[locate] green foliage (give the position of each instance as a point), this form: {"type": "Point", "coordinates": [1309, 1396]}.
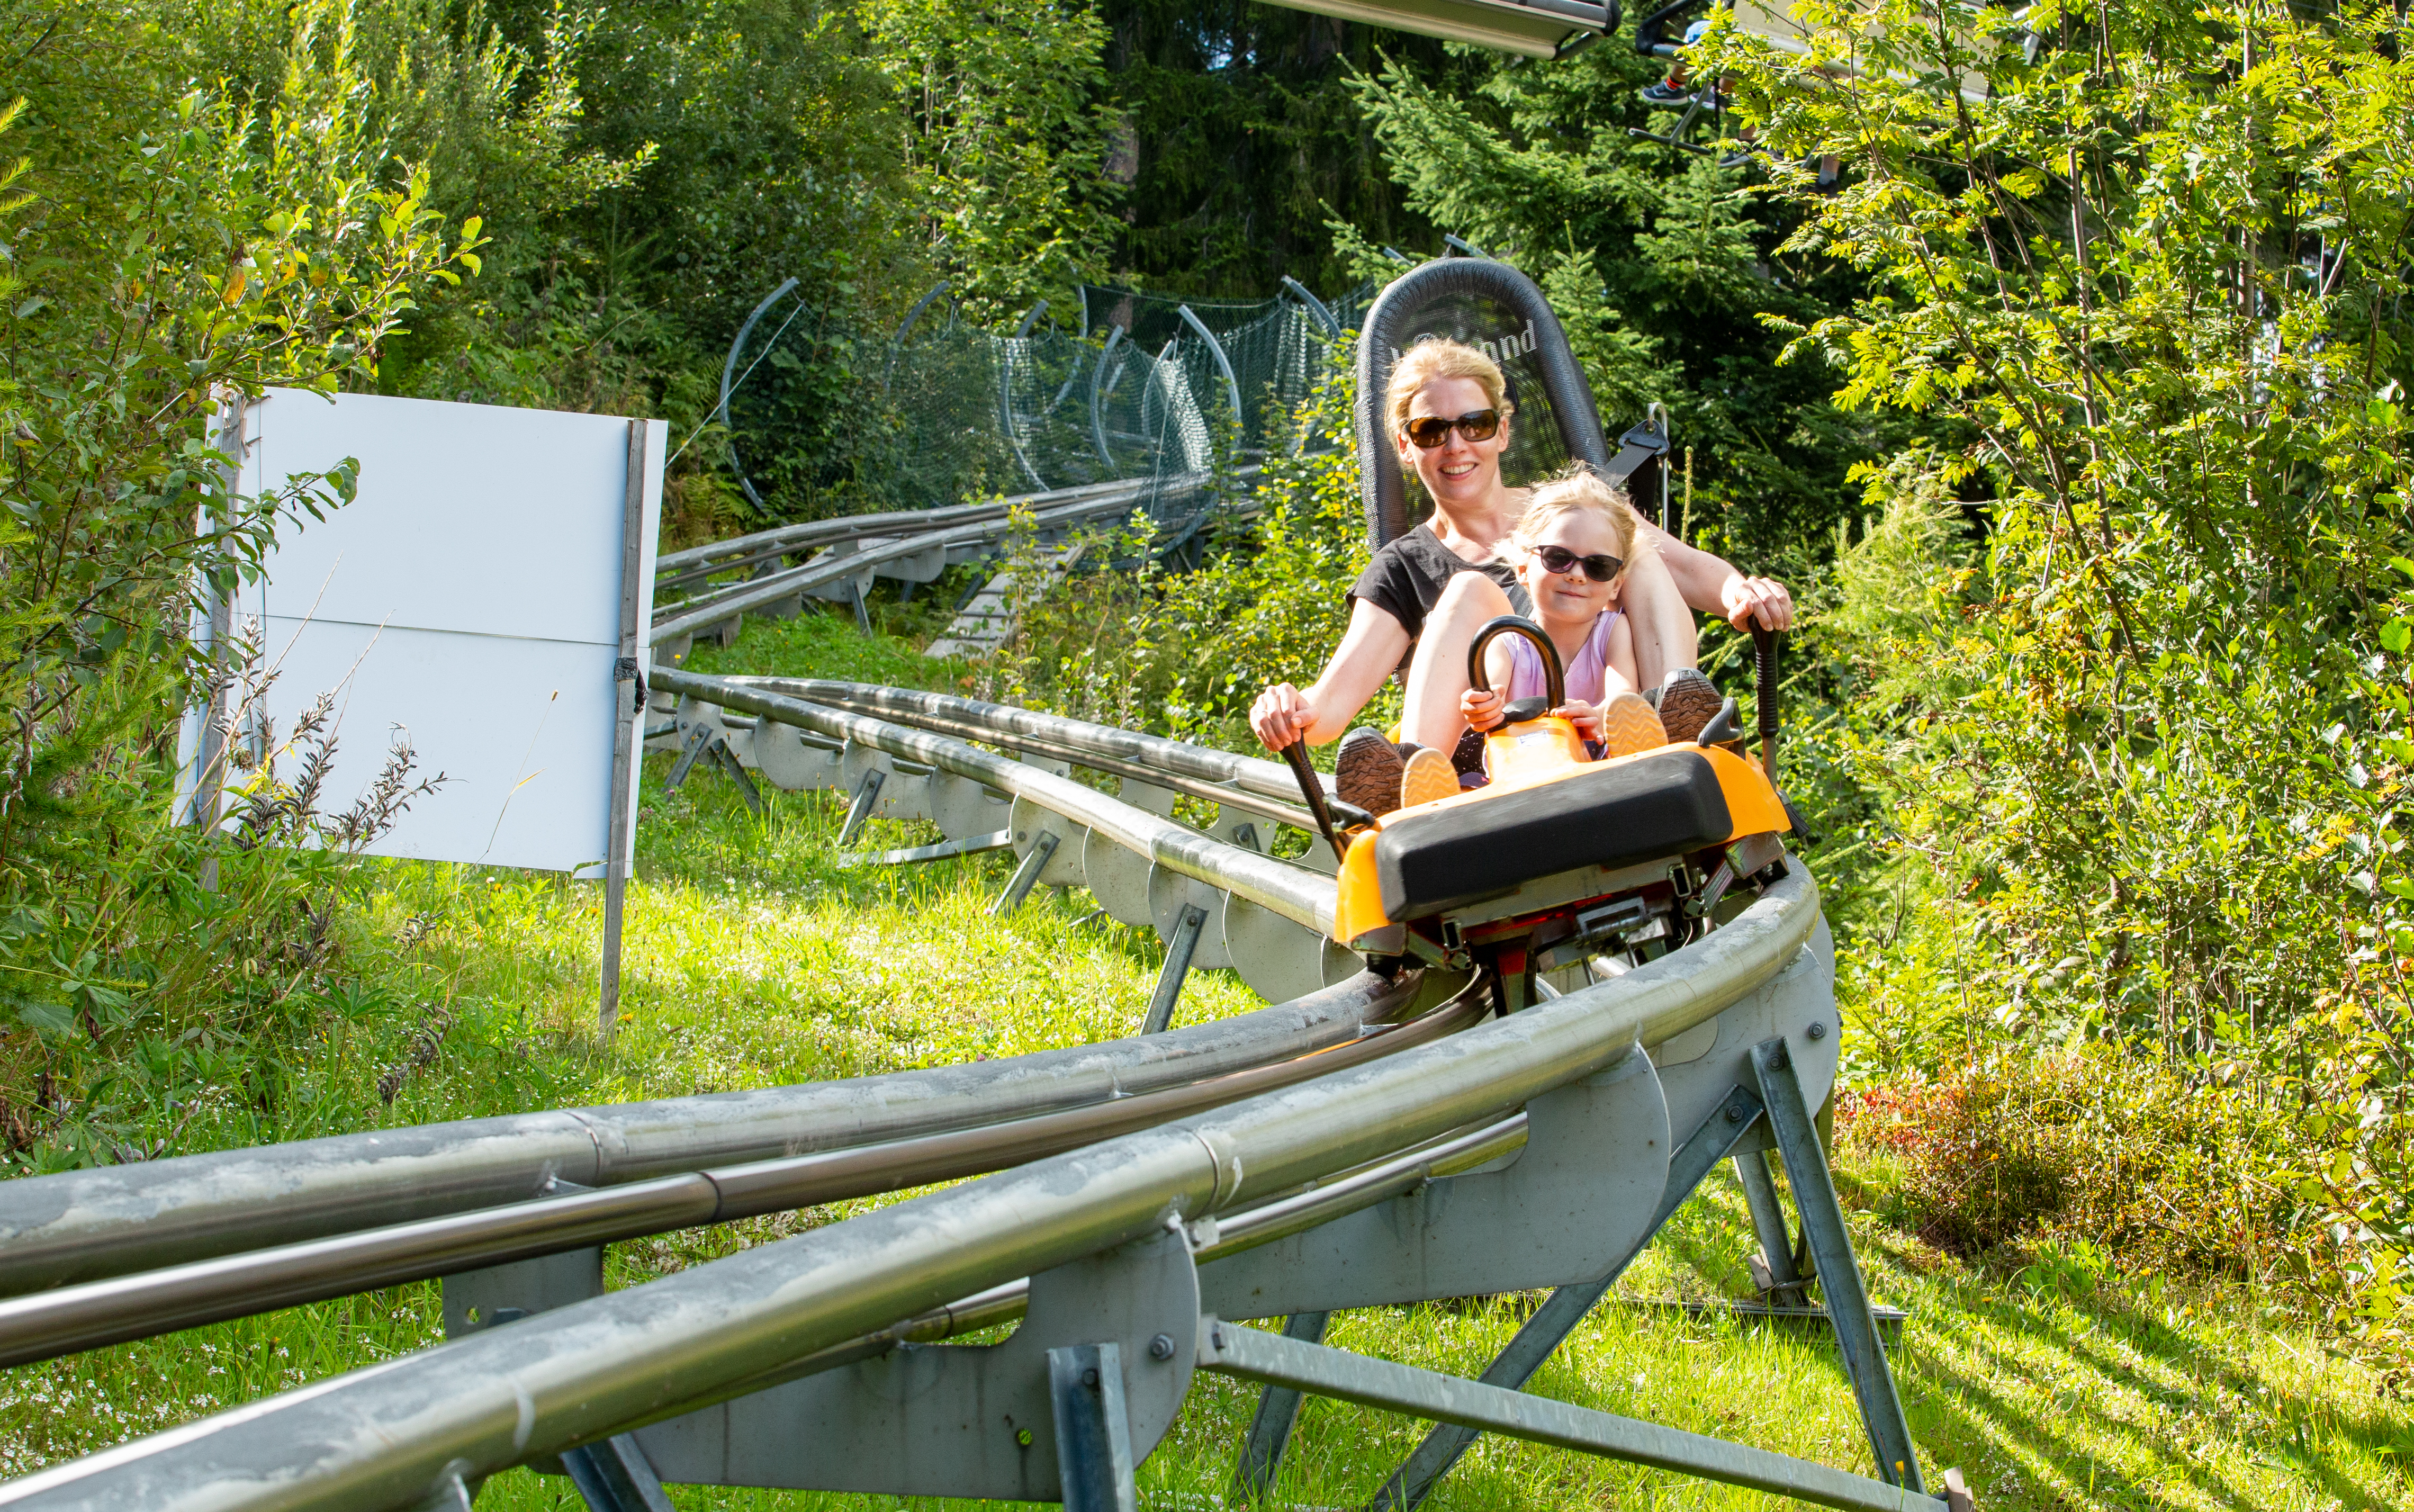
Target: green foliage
{"type": "Point", "coordinates": [1661, 264]}
{"type": "Point", "coordinates": [1006, 143]}
{"type": "Point", "coordinates": [1185, 654]}
{"type": "Point", "coordinates": [2082, 1147]}
{"type": "Point", "coordinates": [185, 250]}
{"type": "Point", "coordinates": [1239, 138]}
{"type": "Point", "coordinates": [2156, 276]}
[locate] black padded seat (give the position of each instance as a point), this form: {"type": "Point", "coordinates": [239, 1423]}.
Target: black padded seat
{"type": "Point", "coordinates": [1652, 806]}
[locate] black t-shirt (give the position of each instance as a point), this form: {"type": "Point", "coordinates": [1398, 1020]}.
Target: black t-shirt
{"type": "Point", "coordinates": [1408, 574]}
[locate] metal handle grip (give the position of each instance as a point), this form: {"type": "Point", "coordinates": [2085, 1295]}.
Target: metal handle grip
{"type": "Point", "coordinates": [1555, 676]}
{"type": "Point", "coordinates": [1312, 788]}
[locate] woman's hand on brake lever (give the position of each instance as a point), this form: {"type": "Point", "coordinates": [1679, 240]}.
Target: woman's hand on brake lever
{"type": "Point", "coordinates": [1281, 716]}
{"type": "Point", "coordinates": [1749, 601]}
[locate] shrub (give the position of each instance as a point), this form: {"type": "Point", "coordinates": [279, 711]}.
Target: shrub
{"type": "Point", "coordinates": [2084, 1144]}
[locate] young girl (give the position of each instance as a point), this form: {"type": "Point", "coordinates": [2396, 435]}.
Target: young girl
{"type": "Point", "coordinates": [1571, 549]}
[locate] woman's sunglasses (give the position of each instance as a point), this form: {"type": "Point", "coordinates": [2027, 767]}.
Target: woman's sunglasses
{"type": "Point", "coordinates": [1430, 430]}
{"type": "Point", "coordinates": [1600, 569]}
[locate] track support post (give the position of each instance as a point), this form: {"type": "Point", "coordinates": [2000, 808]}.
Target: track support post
{"type": "Point", "coordinates": [1085, 1386]}
{"type": "Point", "coordinates": [867, 793]}
{"type": "Point", "coordinates": [699, 735]}
{"type": "Point", "coordinates": [1270, 1428]}
{"type": "Point", "coordinates": [1179, 952]}
{"type": "Point", "coordinates": [1567, 1306]}
{"type": "Point", "coordinates": [1840, 1274]}
{"type": "Point", "coordinates": [614, 1476]}
{"type": "Point", "coordinates": [1773, 1271]}
{"type": "Point", "coordinates": [1018, 886]}
{"type": "Point", "coordinates": [728, 763]}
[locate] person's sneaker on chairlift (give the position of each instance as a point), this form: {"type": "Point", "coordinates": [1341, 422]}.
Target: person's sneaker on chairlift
{"type": "Point", "coordinates": [1667, 94]}
{"type": "Point", "coordinates": [1366, 771]}
{"type": "Point", "coordinates": [1687, 701]}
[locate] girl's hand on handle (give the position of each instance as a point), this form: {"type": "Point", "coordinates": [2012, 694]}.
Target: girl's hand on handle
{"type": "Point", "coordinates": [1481, 711]}
{"type": "Point", "coordinates": [1281, 716]}
{"type": "Point", "coordinates": [1584, 716]}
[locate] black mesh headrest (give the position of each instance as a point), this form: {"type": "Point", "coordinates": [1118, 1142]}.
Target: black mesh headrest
{"type": "Point", "coordinates": [1489, 304]}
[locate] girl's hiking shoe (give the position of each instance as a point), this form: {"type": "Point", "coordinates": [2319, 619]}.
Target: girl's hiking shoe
{"type": "Point", "coordinates": [1427, 775]}
{"type": "Point", "coordinates": [1666, 96]}
{"type": "Point", "coordinates": [1687, 701]}
{"type": "Point", "coordinates": [1366, 771]}
{"type": "Point", "coordinates": [1629, 725]}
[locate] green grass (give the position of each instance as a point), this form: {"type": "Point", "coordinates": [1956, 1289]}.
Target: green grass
{"type": "Point", "coordinates": [754, 960]}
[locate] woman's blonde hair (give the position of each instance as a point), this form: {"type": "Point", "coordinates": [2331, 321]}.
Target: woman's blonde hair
{"type": "Point", "coordinates": [1438, 357]}
{"type": "Point", "coordinates": [1577, 489]}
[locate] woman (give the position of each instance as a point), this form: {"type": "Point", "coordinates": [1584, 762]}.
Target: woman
{"type": "Point", "coordinates": [1431, 588]}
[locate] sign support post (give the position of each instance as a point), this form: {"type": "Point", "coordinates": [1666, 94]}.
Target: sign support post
{"type": "Point", "coordinates": [628, 726]}
{"type": "Point", "coordinates": [208, 784]}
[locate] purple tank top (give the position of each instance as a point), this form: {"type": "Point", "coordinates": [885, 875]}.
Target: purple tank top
{"type": "Point", "coordinates": [1587, 674]}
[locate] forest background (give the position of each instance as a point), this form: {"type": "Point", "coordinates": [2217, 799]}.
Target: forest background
{"type": "Point", "coordinates": [2077, 422]}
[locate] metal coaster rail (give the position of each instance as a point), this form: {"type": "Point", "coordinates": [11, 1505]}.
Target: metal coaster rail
{"type": "Point", "coordinates": [1125, 1202]}
{"type": "Point", "coordinates": [1051, 513]}
{"type": "Point", "coordinates": [395, 1434]}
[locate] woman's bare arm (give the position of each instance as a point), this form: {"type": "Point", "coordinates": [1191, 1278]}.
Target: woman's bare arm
{"type": "Point", "coordinates": [1711, 584]}
{"type": "Point", "coordinates": [1369, 650]}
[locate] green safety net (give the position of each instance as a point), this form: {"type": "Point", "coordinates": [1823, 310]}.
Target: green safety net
{"type": "Point", "coordinates": [1121, 386]}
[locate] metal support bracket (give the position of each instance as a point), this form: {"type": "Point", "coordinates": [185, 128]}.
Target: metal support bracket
{"type": "Point", "coordinates": [478, 1299]}
{"type": "Point", "coordinates": [1773, 1272]}
{"type": "Point", "coordinates": [1093, 1457]}
{"type": "Point", "coordinates": [1269, 1426]}
{"type": "Point", "coordinates": [867, 793]}
{"type": "Point", "coordinates": [699, 735]}
{"type": "Point", "coordinates": [728, 761]}
{"type": "Point", "coordinates": [969, 846]}
{"type": "Point", "coordinates": [1840, 1274]}
{"type": "Point", "coordinates": [1251, 1354]}
{"type": "Point", "coordinates": [1541, 1334]}
{"type": "Point", "coordinates": [1178, 952]}
{"type": "Point", "coordinates": [968, 1420]}
{"type": "Point", "coordinates": [613, 1477]}
{"type": "Point", "coordinates": [1579, 1196]}
{"type": "Point", "coordinates": [1018, 886]}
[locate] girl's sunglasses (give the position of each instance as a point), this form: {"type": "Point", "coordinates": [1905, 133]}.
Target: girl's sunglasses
{"type": "Point", "coordinates": [1430, 430]}
{"type": "Point", "coordinates": [1600, 569]}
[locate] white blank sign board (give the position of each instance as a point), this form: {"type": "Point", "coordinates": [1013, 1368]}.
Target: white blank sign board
{"type": "Point", "coordinates": [469, 595]}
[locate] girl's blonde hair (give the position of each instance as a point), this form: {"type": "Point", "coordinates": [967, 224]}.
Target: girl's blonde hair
{"type": "Point", "coordinates": [1578, 488]}
{"type": "Point", "coordinates": [1438, 358]}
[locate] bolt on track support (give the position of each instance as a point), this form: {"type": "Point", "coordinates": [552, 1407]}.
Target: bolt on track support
{"type": "Point", "coordinates": [1270, 1429]}
{"type": "Point", "coordinates": [1179, 952]}
{"type": "Point", "coordinates": [613, 1477]}
{"type": "Point", "coordinates": [1085, 1386]}
{"type": "Point", "coordinates": [1567, 1306]}
{"type": "Point", "coordinates": [1831, 1256]}
{"type": "Point", "coordinates": [1019, 887]}
{"type": "Point", "coordinates": [867, 793]}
